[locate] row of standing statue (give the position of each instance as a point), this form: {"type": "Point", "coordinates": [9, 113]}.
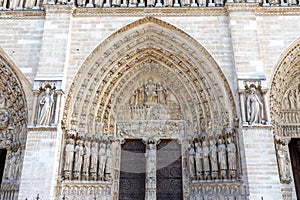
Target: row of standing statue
{"type": "Point", "coordinates": [213, 158]}
{"type": "Point", "coordinates": [87, 160]}
{"type": "Point", "coordinates": [12, 169]}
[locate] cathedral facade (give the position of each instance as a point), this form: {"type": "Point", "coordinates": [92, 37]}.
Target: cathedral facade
{"type": "Point", "coordinates": [155, 99]}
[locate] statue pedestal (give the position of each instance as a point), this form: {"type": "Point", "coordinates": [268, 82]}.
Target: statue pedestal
{"type": "Point", "coordinates": [261, 162]}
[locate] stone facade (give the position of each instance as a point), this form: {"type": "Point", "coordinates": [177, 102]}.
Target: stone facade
{"type": "Point", "coordinates": [213, 85]}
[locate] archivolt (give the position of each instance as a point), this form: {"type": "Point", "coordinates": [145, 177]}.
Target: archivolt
{"type": "Point", "coordinates": [285, 76]}
{"type": "Point", "coordinates": [13, 86]}
{"type": "Point", "coordinates": [149, 47]}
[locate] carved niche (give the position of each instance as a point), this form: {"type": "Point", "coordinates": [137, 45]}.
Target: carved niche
{"type": "Point", "coordinates": [47, 97]}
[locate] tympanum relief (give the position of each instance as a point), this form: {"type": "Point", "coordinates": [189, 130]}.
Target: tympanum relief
{"type": "Point", "coordinates": [152, 110]}
{"type": "Point", "coordinates": [291, 106]}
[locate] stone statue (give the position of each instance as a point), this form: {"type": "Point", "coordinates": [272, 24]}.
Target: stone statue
{"type": "Point", "coordinates": [283, 163]}
{"type": "Point", "coordinates": [199, 160]}
{"type": "Point", "coordinates": [254, 108]}
{"type": "Point", "coordinates": [79, 152]}
{"type": "Point", "coordinates": [102, 160]}
{"type": "Point", "coordinates": [206, 166]}
{"type": "Point", "coordinates": [151, 160]}
{"type": "Point", "coordinates": [141, 94]}
{"type": "Point", "coordinates": [86, 160]}
{"type": "Point", "coordinates": [222, 160]}
{"type": "Point", "coordinates": [292, 98]}
{"type": "Point", "coordinates": [161, 94]}
{"type": "Point", "coordinates": [151, 95]}
{"type": "Point", "coordinates": [69, 154]}
{"type": "Point", "coordinates": [168, 3]}
{"type": "Point", "coordinates": [213, 159]}
{"type": "Point", "coordinates": [231, 154]}
{"type": "Point", "coordinates": [109, 162]}
{"type": "Point", "coordinates": [45, 110]}
{"type": "Point", "coordinates": [94, 161]}
{"type": "Point", "coordinates": [192, 162]}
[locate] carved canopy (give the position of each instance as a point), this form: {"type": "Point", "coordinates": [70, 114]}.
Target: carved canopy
{"type": "Point", "coordinates": [149, 48]}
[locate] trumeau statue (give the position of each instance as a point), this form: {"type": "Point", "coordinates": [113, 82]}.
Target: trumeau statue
{"type": "Point", "coordinates": [46, 107]}
{"type": "Point", "coordinates": [254, 108]}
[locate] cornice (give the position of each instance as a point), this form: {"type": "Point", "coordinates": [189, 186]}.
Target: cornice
{"type": "Point", "coordinates": [144, 12]}
{"type": "Point", "coordinates": [278, 11]}
{"type": "Point", "coordinates": [22, 14]}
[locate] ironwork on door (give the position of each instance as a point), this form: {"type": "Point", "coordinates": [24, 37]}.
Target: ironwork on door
{"type": "Point", "coordinates": [169, 171]}
{"type": "Point", "coordinates": [132, 171]}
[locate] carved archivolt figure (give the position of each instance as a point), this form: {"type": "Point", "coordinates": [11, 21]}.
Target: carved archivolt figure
{"type": "Point", "coordinates": [199, 160]}
{"type": "Point", "coordinates": [46, 104]}
{"type": "Point", "coordinates": [231, 153]}
{"type": "Point", "coordinates": [222, 158]}
{"type": "Point", "coordinates": [254, 108]}
{"type": "Point", "coordinates": [192, 161]}
{"type": "Point", "coordinates": [69, 153]}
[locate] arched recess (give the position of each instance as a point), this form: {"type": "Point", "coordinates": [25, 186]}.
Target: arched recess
{"type": "Point", "coordinates": [13, 124]}
{"type": "Point", "coordinates": [285, 93]}
{"type": "Point", "coordinates": [149, 48]}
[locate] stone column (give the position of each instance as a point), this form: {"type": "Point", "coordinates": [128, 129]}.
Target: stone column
{"type": "Point", "coordinates": [242, 101]}
{"type": "Point", "coordinates": [34, 112]}
{"type": "Point", "coordinates": [266, 108]}
{"type": "Point", "coordinates": [150, 193]}
{"type": "Point", "coordinates": [57, 108]}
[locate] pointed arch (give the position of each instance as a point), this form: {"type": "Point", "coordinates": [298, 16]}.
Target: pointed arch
{"type": "Point", "coordinates": [149, 47]}
{"type": "Point", "coordinates": [14, 88]}
{"type": "Point", "coordinates": [285, 92]}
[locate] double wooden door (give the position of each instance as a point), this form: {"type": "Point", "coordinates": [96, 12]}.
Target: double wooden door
{"type": "Point", "coordinates": [168, 171]}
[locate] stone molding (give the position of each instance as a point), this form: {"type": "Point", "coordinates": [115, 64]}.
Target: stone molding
{"type": "Point", "coordinates": [144, 12]}
{"type": "Point", "coordinates": [38, 14]}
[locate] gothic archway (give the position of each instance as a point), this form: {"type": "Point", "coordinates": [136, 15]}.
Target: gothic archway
{"type": "Point", "coordinates": [285, 114]}
{"type": "Point", "coordinates": [13, 125]}
{"type": "Point", "coordinates": [196, 95]}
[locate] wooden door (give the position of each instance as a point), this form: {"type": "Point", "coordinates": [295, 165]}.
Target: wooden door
{"type": "Point", "coordinates": [132, 172]}
{"type": "Point", "coordinates": [169, 171]}
{"type": "Point", "coordinates": [294, 148]}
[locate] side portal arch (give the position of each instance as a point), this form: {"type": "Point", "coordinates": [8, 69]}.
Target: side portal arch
{"type": "Point", "coordinates": [13, 125]}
